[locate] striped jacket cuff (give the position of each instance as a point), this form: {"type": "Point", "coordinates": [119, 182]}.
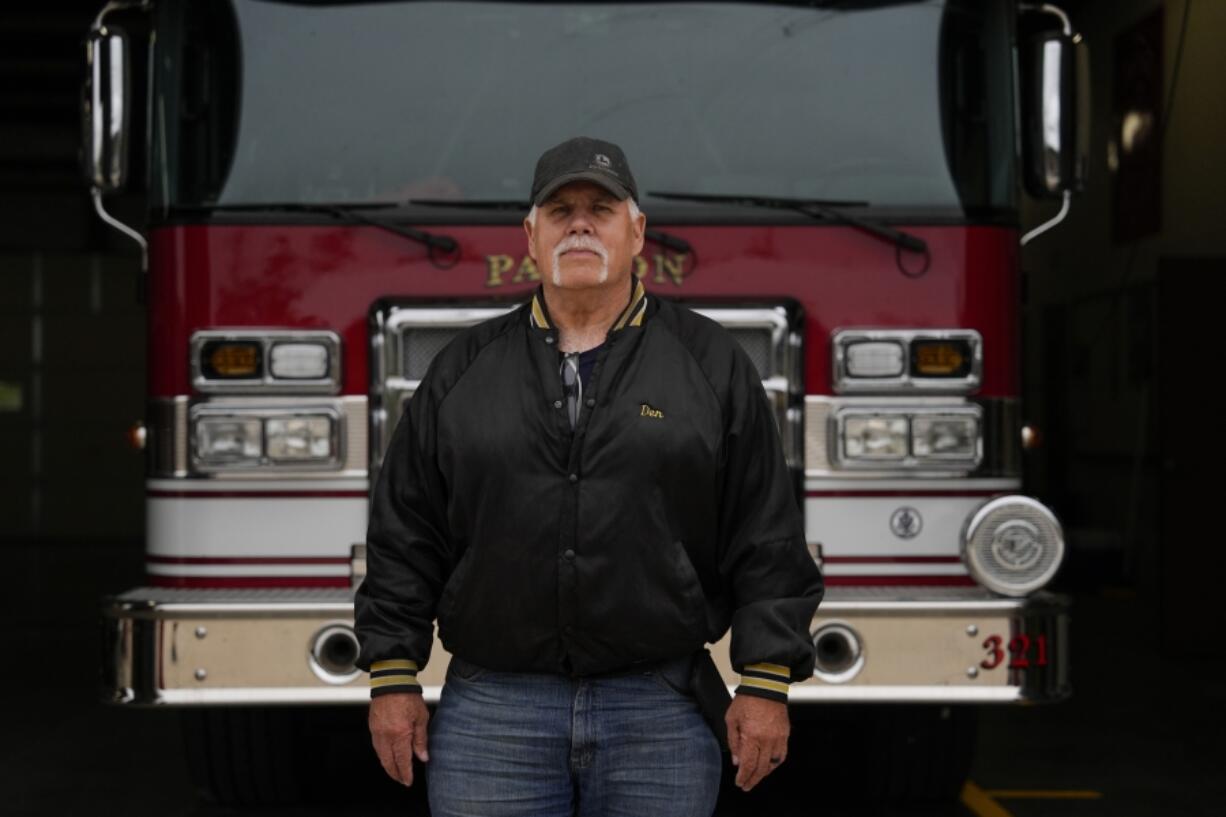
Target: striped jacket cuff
{"type": "Point", "coordinates": [395, 675]}
{"type": "Point", "coordinates": [765, 681]}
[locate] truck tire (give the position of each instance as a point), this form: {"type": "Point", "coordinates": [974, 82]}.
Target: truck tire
{"type": "Point", "coordinates": [243, 756]}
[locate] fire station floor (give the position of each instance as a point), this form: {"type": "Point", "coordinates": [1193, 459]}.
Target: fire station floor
{"type": "Point", "coordinates": [1142, 734]}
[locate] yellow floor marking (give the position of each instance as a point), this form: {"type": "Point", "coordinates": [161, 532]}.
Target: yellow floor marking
{"type": "Point", "coordinates": [980, 803]}
{"type": "Point", "coordinates": [1038, 794]}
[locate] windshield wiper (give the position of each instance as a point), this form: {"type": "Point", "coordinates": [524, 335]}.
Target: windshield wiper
{"type": "Point", "coordinates": [815, 208]}
{"type": "Point", "coordinates": [348, 212]}
{"type": "Point", "coordinates": [362, 213]}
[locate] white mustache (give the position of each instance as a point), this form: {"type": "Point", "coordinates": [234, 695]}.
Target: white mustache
{"type": "Point", "coordinates": [580, 242]}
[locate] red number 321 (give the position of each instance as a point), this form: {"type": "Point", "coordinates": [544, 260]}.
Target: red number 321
{"type": "Point", "coordinates": [1019, 651]}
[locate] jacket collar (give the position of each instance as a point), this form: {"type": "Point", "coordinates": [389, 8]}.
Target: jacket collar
{"type": "Point", "coordinates": [633, 315]}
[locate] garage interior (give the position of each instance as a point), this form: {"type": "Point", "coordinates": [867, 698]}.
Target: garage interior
{"type": "Point", "coordinates": [1119, 301]}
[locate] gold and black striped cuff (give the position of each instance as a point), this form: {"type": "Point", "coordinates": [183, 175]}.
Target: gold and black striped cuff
{"type": "Point", "coordinates": [394, 675]}
{"type": "Point", "coordinates": [765, 681]}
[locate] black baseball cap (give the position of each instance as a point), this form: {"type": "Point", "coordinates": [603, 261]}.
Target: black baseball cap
{"type": "Point", "coordinates": [583, 159]}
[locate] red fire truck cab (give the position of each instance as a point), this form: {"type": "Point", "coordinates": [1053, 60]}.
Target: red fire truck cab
{"type": "Point", "coordinates": [335, 189]}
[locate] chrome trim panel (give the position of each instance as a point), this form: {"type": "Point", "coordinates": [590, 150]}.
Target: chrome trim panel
{"type": "Point", "coordinates": [1000, 425]}
{"type": "Point", "coordinates": [154, 602]}
{"type": "Point", "coordinates": [169, 436]}
{"type": "Point", "coordinates": [905, 383]}
{"type": "Point", "coordinates": [267, 384]}
{"type": "Point", "coordinates": [856, 482]}
{"type": "Point", "coordinates": [801, 694]}
{"type": "Point", "coordinates": [256, 646]}
{"type": "Point", "coordinates": [166, 436]}
{"type": "Point", "coordinates": [280, 482]}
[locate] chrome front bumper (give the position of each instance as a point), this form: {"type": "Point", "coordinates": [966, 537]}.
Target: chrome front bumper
{"type": "Point", "coordinates": [950, 645]}
{"type": "Point", "coordinates": [209, 647]}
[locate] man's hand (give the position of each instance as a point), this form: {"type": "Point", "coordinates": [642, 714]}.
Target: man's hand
{"type": "Point", "coordinates": [758, 737]}
{"type": "Point", "coordinates": [398, 731]}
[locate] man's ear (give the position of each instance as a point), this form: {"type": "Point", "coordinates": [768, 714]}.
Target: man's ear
{"type": "Point", "coordinates": [639, 228]}
{"type": "Point", "coordinates": [530, 231]}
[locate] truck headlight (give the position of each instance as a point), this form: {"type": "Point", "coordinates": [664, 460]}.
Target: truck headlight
{"type": "Point", "coordinates": [909, 437]}
{"type": "Point", "coordinates": [875, 437]}
{"type": "Point", "coordinates": [228, 440]}
{"type": "Point", "coordinates": [1013, 545]}
{"type": "Point", "coordinates": [297, 439]}
{"type": "Point", "coordinates": [227, 437]}
{"type": "Point", "coordinates": [299, 361]}
{"type": "Point", "coordinates": [944, 436]}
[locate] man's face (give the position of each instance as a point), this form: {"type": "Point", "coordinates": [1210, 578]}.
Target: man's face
{"type": "Point", "coordinates": [584, 237]}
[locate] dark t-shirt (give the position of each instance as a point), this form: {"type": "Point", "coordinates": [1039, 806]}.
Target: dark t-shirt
{"type": "Point", "coordinates": [586, 361]}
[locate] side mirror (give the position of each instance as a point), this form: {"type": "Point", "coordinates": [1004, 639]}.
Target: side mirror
{"type": "Point", "coordinates": [105, 115]}
{"type": "Point", "coordinates": [1056, 108]}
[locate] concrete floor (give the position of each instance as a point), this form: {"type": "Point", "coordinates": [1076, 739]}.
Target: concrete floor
{"type": "Point", "coordinates": [1141, 736]}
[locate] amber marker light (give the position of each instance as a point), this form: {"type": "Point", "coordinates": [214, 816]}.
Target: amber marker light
{"type": "Point", "coordinates": [231, 359]}
{"type": "Point", "coordinates": [940, 358]}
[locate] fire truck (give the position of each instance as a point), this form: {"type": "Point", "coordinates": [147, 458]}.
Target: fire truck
{"type": "Point", "coordinates": [336, 189]}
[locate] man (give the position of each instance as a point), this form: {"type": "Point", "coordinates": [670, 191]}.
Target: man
{"type": "Point", "coordinates": [584, 492]}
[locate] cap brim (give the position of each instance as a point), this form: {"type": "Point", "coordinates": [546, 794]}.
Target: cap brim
{"type": "Point", "coordinates": [595, 177]}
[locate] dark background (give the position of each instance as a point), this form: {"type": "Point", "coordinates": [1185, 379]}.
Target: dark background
{"type": "Point", "coordinates": [1121, 354]}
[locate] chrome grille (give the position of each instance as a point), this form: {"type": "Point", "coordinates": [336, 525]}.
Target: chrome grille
{"type": "Point", "coordinates": [817, 458]}
{"type": "Point", "coordinates": [421, 344]}
{"type": "Point", "coordinates": [408, 337]}
{"type": "Point", "coordinates": [757, 344]}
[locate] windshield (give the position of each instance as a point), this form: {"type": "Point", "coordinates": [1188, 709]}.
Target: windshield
{"type": "Point", "coordinates": [907, 106]}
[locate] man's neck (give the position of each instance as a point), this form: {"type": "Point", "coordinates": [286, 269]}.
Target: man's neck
{"type": "Point", "coordinates": [583, 316]}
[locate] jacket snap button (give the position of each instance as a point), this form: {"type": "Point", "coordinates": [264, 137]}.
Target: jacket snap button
{"type": "Point", "coordinates": [574, 477]}
{"type": "Point", "coordinates": [549, 338]}
{"type": "Point", "coordinates": [557, 404]}
{"type": "Point", "coordinates": [591, 401]}
{"type": "Point", "coordinates": [569, 554]}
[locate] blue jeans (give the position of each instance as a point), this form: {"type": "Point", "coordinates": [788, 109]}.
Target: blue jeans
{"type": "Point", "coordinates": [539, 745]}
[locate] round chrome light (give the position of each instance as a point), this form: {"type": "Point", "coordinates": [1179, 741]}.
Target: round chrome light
{"type": "Point", "coordinates": [332, 654]}
{"type": "Point", "coordinates": [840, 653]}
{"type": "Point", "coordinates": [1012, 545]}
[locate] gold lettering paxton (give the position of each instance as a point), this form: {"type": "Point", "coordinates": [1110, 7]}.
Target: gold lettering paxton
{"type": "Point", "coordinates": [501, 270]}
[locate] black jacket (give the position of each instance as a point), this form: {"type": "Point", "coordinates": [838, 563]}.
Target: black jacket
{"type": "Point", "coordinates": [665, 517]}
